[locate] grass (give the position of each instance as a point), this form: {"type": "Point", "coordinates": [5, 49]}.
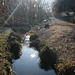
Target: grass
{"type": "Point", "coordinates": [0, 49]}
{"type": "Point", "coordinates": [14, 44]}
{"type": "Point", "coordinates": [8, 56]}
{"type": "Point", "coordinates": [66, 68]}
{"type": "Point", "coordinates": [2, 39]}
{"type": "Point", "coordinates": [3, 43]}
{"type": "Point", "coordinates": [0, 54]}
{"type": "Point", "coordinates": [61, 37]}
{"type": "Point", "coordinates": [8, 68]}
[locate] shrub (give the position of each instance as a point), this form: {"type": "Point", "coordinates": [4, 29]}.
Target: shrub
{"type": "Point", "coordinates": [46, 26]}
{"type": "Point", "coordinates": [33, 37]}
{"type": "Point", "coordinates": [15, 47]}
{"type": "Point", "coordinates": [47, 56]}
{"type": "Point", "coordinates": [14, 44]}
{"type": "Point", "coordinates": [35, 44]}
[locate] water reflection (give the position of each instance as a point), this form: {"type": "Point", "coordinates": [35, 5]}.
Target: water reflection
{"type": "Point", "coordinates": [32, 55]}
{"type": "Point", "coordinates": [44, 66]}
{"type": "Point", "coordinates": [28, 63]}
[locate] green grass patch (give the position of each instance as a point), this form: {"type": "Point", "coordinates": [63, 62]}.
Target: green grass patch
{"type": "Point", "coordinates": [0, 49]}
{"type": "Point", "coordinates": [8, 68]}
{"type": "Point", "coordinates": [1, 54]}
{"type": "Point", "coordinates": [9, 56]}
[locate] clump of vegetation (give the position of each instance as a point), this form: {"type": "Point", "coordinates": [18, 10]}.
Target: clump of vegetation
{"type": "Point", "coordinates": [0, 54]}
{"type": "Point", "coordinates": [35, 44]}
{"type": "Point", "coordinates": [15, 47]}
{"type": "Point", "coordinates": [15, 36]}
{"type": "Point", "coordinates": [47, 58]}
{"type": "Point", "coordinates": [5, 54]}
{"type": "Point", "coordinates": [8, 68]}
{"type": "Point", "coordinates": [0, 49]}
{"type": "Point", "coordinates": [14, 44]}
{"type": "Point", "coordinates": [66, 68]}
{"type": "Point", "coordinates": [47, 26]}
{"type": "Point", "coordinates": [8, 56]}
{"type": "Point", "coordinates": [3, 39]}
{"type": "Point", "coordinates": [33, 37]}
{"type": "Point", "coordinates": [23, 30]}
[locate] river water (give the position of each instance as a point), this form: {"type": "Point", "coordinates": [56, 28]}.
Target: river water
{"type": "Point", "coordinates": [28, 63]}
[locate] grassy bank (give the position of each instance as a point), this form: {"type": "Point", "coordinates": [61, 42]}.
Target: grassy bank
{"type": "Point", "coordinates": [9, 46]}
{"type": "Point", "coordinates": [3, 46]}
{"type": "Point", "coordinates": [62, 39]}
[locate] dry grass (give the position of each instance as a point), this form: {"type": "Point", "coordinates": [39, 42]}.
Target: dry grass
{"type": "Point", "coordinates": [61, 37]}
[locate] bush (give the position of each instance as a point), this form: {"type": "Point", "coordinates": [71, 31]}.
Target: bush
{"type": "Point", "coordinates": [33, 37]}
{"type": "Point", "coordinates": [46, 26]}
{"type": "Point", "coordinates": [14, 44]}
{"type": "Point", "coordinates": [47, 57]}
{"type": "Point", "coordinates": [15, 47]}
{"type": "Point", "coordinates": [35, 44]}
{"type": "Point", "coordinates": [23, 30]}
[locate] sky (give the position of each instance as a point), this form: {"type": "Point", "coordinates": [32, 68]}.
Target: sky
{"type": "Point", "coordinates": [50, 0]}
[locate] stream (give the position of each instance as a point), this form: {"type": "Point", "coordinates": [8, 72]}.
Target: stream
{"type": "Point", "coordinates": [28, 63]}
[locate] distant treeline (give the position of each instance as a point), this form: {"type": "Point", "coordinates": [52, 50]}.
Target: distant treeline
{"type": "Point", "coordinates": [65, 9]}
{"type": "Point", "coordinates": [28, 11]}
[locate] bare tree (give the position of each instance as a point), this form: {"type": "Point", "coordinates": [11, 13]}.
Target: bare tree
{"type": "Point", "coordinates": [29, 11]}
